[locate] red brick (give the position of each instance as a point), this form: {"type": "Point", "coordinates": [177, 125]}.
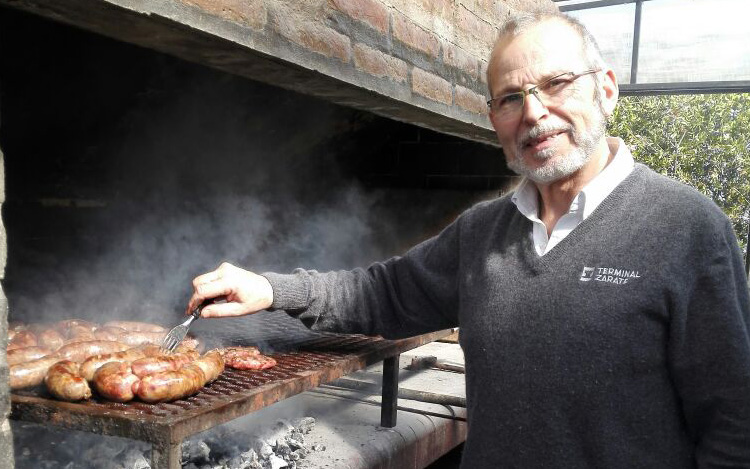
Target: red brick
{"type": "Point", "coordinates": [315, 37]}
{"type": "Point", "coordinates": [414, 36]}
{"type": "Point", "coordinates": [470, 100]}
{"type": "Point", "coordinates": [379, 64]}
{"type": "Point", "coordinates": [248, 12]}
{"type": "Point", "coordinates": [460, 59]}
{"type": "Point", "coordinates": [431, 86]}
{"type": "Point", "coordinates": [469, 24]}
{"type": "Point", "coordinates": [372, 12]}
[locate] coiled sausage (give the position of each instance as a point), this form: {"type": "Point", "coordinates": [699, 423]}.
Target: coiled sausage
{"type": "Point", "coordinates": [65, 383]}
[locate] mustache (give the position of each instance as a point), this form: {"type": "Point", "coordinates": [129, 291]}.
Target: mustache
{"type": "Point", "coordinates": [541, 129]}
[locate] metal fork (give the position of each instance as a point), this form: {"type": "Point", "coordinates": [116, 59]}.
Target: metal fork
{"type": "Point", "coordinates": [175, 336]}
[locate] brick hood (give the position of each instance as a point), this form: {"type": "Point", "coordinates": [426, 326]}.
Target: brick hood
{"type": "Point", "coordinates": [416, 61]}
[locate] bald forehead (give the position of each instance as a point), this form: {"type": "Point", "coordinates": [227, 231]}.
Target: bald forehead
{"type": "Point", "coordinates": [551, 43]}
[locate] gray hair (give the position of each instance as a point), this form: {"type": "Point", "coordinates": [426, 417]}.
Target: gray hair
{"type": "Point", "coordinates": [522, 22]}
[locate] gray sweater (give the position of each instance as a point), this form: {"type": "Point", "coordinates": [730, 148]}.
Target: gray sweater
{"type": "Point", "coordinates": [625, 346]}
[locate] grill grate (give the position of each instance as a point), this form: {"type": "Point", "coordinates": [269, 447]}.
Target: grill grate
{"type": "Point", "coordinates": [234, 394]}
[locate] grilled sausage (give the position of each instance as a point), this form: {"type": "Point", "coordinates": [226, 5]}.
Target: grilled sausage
{"type": "Point", "coordinates": [212, 365]}
{"type": "Point", "coordinates": [21, 339]}
{"type": "Point", "coordinates": [26, 354]}
{"type": "Point", "coordinates": [172, 385]}
{"type": "Point", "coordinates": [114, 381]}
{"type": "Point", "coordinates": [65, 326]}
{"type": "Point", "coordinates": [79, 351]}
{"type": "Point", "coordinates": [50, 338]}
{"type": "Point", "coordinates": [246, 358]}
{"type": "Point", "coordinates": [65, 383]}
{"type": "Point", "coordinates": [109, 332]}
{"type": "Point", "coordinates": [28, 374]}
{"type": "Point", "coordinates": [140, 338]}
{"type": "Point", "coordinates": [160, 363]}
{"type": "Point", "coordinates": [136, 326]}
{"type": "Point", "coordinates": [93, 363]}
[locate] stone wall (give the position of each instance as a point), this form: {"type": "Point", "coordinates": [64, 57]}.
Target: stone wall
{"type": "Point", "coordinates": [6, 439]}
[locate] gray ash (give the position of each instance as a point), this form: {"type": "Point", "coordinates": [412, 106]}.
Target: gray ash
{"type": "Point", "coordinates": [225, 447]}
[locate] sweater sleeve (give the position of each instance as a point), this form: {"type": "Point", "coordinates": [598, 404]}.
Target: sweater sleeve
{"type": "Point", "coordinates": [401, 297]}
{"type": "Point", "coordinates": [710, 356]}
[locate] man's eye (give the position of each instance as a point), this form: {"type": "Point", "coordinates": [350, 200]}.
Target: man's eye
{"type": "Point", "coordinates": [556, 84]}
{"type": "Point", "coordinates": [510, 100]}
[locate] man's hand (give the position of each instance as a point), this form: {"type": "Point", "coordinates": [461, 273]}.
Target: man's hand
{"type": "Point", "coordinates": [245, 292]}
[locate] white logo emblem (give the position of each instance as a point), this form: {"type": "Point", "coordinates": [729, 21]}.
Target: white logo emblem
{"type": "Point", "coordinates": [588, 274]}
{"type": "Point", "coordinates": [608, 275]}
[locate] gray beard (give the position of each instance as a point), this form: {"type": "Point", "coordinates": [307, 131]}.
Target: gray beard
{"type": "Point", "coordinates": [585, 145]}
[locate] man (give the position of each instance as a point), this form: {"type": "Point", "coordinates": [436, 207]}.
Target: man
{"type": "Point", "coordinates": [603, 309]}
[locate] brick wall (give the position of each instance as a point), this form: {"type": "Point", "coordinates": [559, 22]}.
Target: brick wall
{"type": "Point", "coordinates": [417, 61]}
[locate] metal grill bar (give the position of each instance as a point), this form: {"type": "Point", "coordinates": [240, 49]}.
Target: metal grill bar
{"type": "Point", "coordinates": [234, 394]}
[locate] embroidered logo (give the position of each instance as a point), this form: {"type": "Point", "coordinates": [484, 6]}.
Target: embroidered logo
{"type": "Point", "coordinates": [608, 275]}
{"type": "Point", "coordinates": [588, 274]}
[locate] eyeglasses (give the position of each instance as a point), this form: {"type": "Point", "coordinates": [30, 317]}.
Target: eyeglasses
{"type": "Point", "coordinates": [552, 92]}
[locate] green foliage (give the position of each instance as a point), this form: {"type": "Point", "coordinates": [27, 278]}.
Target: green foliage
{"type": "Point", "coordinates": [702, 140]}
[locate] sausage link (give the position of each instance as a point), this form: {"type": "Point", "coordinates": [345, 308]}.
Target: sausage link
{"type": "Point", "coordinates": [79, 351]}
{"type": "Point", "coordinates": [212, 365]}
{"type": "Point", "coordinates": [28, 374]}
{"type": "Point", "coordinates": [65, 326]}
{"type": "Point", "coordinates": [158, 364]}
{"type": "Point", "coordinates": [172, 385]}
{"type": "Point", "coordinates": [65, 383]}
{"type": "Point", "coordinates": [50, 338]}
{"type": "Point", "coordinates": [26, 354]}
{"type": "Point", "coordinates": [22, 338]}
{"type": "Point", "coordinates": [109, 332]}
{"type": "Point", "coordinates": [136, 326]}
{"type": "Point", "coordinates": [93, 363]}
{"type": "Point", "coordinates": [114, 381]}
{"type": "Point", "coordinates": [140, 338]}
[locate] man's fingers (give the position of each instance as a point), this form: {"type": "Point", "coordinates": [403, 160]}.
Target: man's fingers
{"type": "Point", "coordinates": [223, 310]}
{"type": "Point", "coordinates": [207, 291]}
{"type": "Point", "coordinates": [207, 278]}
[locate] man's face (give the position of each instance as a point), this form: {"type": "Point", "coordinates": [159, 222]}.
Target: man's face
{"type": "Point", "coordinates": [546, 142]}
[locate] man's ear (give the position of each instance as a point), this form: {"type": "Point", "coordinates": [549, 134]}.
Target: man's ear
{"type": "Point", "coordinates": [610, 91]}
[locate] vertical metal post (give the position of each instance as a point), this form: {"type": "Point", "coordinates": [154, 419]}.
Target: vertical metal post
{"type": "Point", "coordinates": [390, 392]}
{"type": "Point", "coordinates": [636, 43]}
{"type": "Point", "coordinates": [747, 254]}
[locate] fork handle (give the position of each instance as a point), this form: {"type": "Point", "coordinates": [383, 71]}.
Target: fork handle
{"type": "Point", "coordinates": [209, 301]}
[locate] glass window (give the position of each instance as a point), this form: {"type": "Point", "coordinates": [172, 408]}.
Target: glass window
{"type": "Point", "coordinates": [694, 41]}
{"type": "Point", "coordinates": [613, 29]}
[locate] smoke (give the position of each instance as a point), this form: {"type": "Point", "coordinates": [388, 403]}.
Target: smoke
{"type": "Point", "coordinates": [201, 170]}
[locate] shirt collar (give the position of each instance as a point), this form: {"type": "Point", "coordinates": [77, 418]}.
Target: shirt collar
{"type": "Point", "coordinates": [526, 196]}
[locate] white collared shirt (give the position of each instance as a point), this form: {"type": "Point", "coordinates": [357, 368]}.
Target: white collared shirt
{"type": "Point", "coordinates": [526, 199]}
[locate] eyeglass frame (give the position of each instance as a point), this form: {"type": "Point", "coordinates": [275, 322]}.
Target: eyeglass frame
{"type": "Point", "coordinates": [534, 89]}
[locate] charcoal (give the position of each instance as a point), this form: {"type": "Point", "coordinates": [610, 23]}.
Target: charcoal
{"type": "Point", "coordinates": [282, 449]}
{"type": "Point", "coordinates": [134, 459]}
{"type": "Point", "coordinates": [295, 444]}
{"type": "Point", "coordinates": [277, 462]}
{"type": "Point", "coordinates": [302, 452]}
{"type": "Point", "coordinates": [238, 462]}
{"type": "Point", "coordinates": [195, 451]}
{"type": "Point", "coordinates": [305, 424]}
{"type": "Point", "coordinates": [318, 447]}
{"type": "Point", "coordinates": [265, 451]}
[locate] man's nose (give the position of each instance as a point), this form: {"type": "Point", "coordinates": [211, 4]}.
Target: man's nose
{"type": "Point", "coordinates": [533, 108]}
